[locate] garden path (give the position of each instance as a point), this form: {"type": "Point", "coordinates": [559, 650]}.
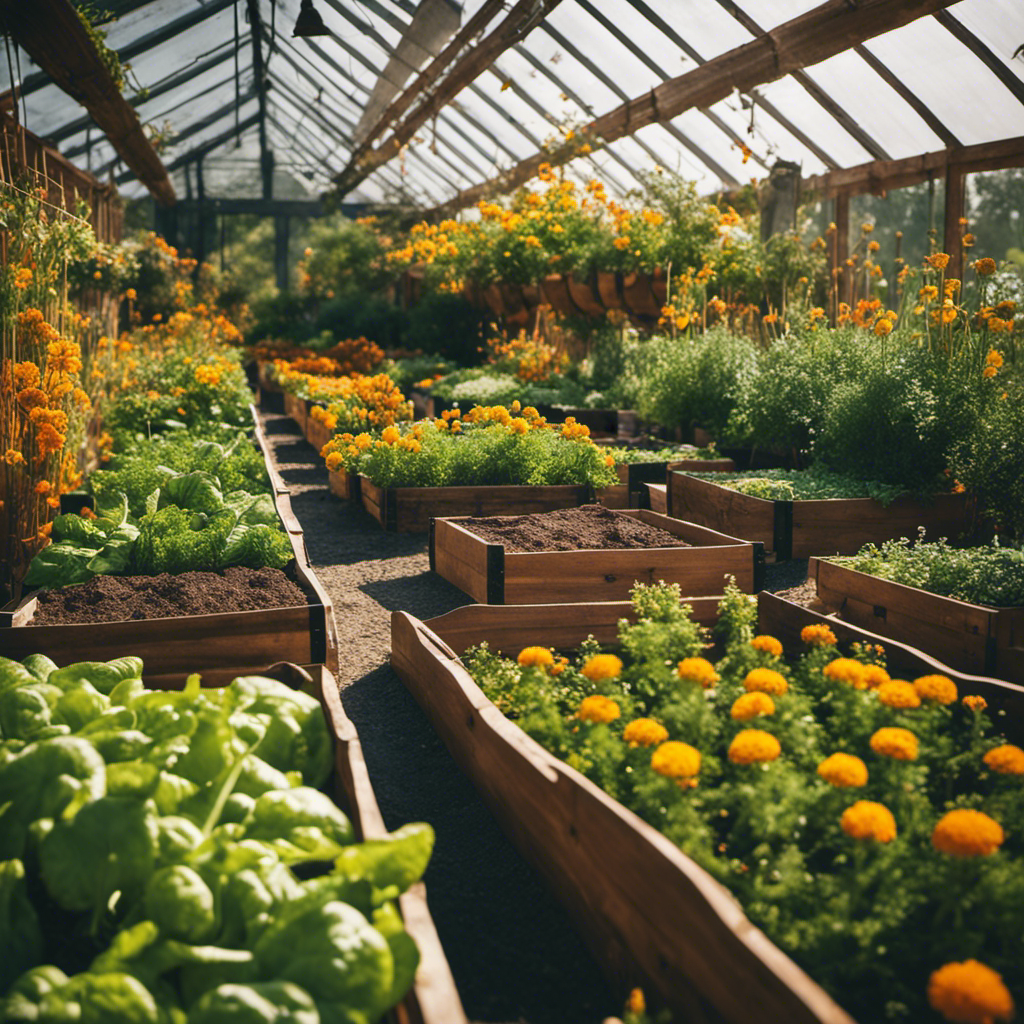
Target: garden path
{"type": "Point", "coordinates": [511, 948]}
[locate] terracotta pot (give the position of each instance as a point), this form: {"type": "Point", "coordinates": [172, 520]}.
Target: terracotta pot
{"type": "Point", "coordinates": [639, 296]}
{"type": "Point", "coordinates": [609, 286]}
{"type": "Point", "coordinates": [555, 291]}
{"type": "Point", "coordinates": [585, 297]}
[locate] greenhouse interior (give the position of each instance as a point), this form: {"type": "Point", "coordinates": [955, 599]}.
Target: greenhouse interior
{"type": "Point", "coordinates": [512, 511]}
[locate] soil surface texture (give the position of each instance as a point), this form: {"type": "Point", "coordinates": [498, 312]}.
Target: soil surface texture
{"type": "Point", "coordinates": [588, 527]}
{"type": "Point", "coordinates": [116, 598]}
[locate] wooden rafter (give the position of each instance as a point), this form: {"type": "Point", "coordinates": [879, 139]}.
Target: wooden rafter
{"type": "Point", "coordinates": [53, 35]}
{"type": "Point", "coordinates": [821, 33]}
{"type": "Point", "coordinates": [880, 176]}
{"type": "Point", "coordinates": [514, 27]}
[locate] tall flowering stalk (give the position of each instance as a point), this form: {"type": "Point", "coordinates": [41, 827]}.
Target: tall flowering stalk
{"type": "Point", "coordinates": [43, 404]}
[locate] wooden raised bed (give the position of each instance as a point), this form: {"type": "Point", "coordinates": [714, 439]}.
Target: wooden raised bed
{"type": "Point", "coordinates": [650, 915]}
{"type": "Point", "coordinates": [635, 474]}
{"type": "Point", "coordinates": [492, 575]}
{"type": "Point", "coordinates": [317, 433]}
{"type": "Point", "coordinates": [344, 485]}
{"type": "Point", "coordinates": [298, 409]}
{"type": "Point", "coordinates": [433, 998]}
{"type": "Point", "coordinates": [969, 637]}
{"type": "Point", "coordinates": [655, 497]}
{"type": "Point", "coordinates": [798, 529]}
{"type": "Point", "coordinates": [410, 509]}
{"type": "Point", "coordinates": [235, 642]}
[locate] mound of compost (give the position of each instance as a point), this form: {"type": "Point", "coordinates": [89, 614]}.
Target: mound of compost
{"type": "Point", "coordinates": [572, 529]}
{"type": "Point", "coordinates": [116, 598]}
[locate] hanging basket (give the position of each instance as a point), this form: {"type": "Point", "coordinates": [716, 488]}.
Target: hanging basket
{"type": "Point", "coordinates": [609, 288]}
{"type": "Point", "coordinates": [555, 291]}
{"type": "Point", "coordinates": [585, 297]}
{"type": "Point", "coordinates": [639, 296]}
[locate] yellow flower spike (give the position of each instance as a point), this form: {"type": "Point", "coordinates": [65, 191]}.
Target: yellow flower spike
{"type": "Point", "coordinates": [867, 820]}
{"type": "Point", "coordinates": [844, 771]}
{"type": "Point", "coordinates": [967, 833]}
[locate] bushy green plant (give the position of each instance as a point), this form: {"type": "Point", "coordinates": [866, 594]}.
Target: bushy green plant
{"type": "Point", "coordinates": [989, 459]}
{"type": "Point", "coordinates": [449, 325]}
{"type": "Point", "coordinates": [360, 314]}
{"type": "Point", "coordinates": [693, 381]}
{"type": "Point", "coordinates": [813, 484]}
{"type": "Point", "coordinates": [992, 574]}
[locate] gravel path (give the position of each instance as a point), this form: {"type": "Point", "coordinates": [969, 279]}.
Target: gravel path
{"type": "Point", "coordinates": [512, 950]}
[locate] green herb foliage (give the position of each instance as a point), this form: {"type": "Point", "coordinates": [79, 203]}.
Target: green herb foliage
{"type": "Point", "coordinates": [811, 484]}
{"type": "Point", "coordinates": [154, 849]}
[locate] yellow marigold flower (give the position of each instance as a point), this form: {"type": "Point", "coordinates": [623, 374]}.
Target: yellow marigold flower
{"type": "Point", "coordinates": [602, 666]}
{"type": "Point", "coordinates": [766, 680]}
{"type": "Point", "coordinates": [519, 426]}
{"type": "Point", "coordinates": [989, 372]}
{"type": "Point", "coordinates": [869, 820]}
{"type": "Point", "coordinates": [975, 704]}
{"type": "Point", "coordinates": [26, 375]}
{"type": "Point", "coordinates": [560, 665]}
{"type": "Point", "coordinates": [676, 760]}
{"type": "Point", "coordinates": [937, 688]}
{"type": "Point", "coordinates": [391, 435]}
{"type": "Point", "coordinates": [967, 833]}
{"type": "Point", "coordinates": [818, 635]}
{"type": "Point", "coordinates": [750, 705]}
{"type": "Point", "coordinates": [767, 645]}
{"type": "Point", "coordinates": [875, 676]}
{"type": "Point", "coordinates": [985, 267]}
{"type": "Point", "coordinates": [1007, 759]}
{"type": "Point", "coordinates": [32, 398]}
{"type": "Point", "coordinates": [883, 327]}
{"type": "Point", "coordinates": [697, 670]}
{"type": "Point", "coordinates": [535, 657]}
{"type": "Point", "coordinates": [844, 771]}
{"type": "Point", "coordinates": [598, 709]}
{"type": "Point", "coordinates": [13, 457]}
{"type": "Point", "coordinates": [891, 741]}
{"type": "Point", "coordinates": [636, 1003]}
{"type": "Point", "coordinates": [644, 732]}
{"type": "Point", "coordinates": [847, 670]}
{"type": "Point", "coordinates": [994, 358]}
{"type": "Point", "coordinates": [898, 693]}
{"type": "Point", "coordinates": [939, 260]}
{"type": "Point", "coordinates": [334, 461]}
{"type": "Point", "coordinates": [753, 746]}
{"type": "Point", "coordinates": [969, 993]}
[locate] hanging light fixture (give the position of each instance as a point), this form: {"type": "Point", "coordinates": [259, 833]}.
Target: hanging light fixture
{"type": "Point", "coordinates": [309, 22]}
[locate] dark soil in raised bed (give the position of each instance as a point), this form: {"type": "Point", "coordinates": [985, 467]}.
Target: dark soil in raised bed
{"type": "Point", "coordinates": [116, 598]}
{"type": "Point", "coordinates": [588, 527]}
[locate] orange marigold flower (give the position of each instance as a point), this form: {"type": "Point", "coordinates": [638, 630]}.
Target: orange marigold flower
{"type": "Point", "coordinates": [63, 357]}
{"type": "Point", "coordinates": [697, 670]}
{"type": "Point", "coordinates": [994, 358]}
{"type": "Point", "coordinates": [598, 709]}
{"type": "Point", "coordinates": [767, 645]}
{"type": "Point", "coordinates": [644, 732]}
{"type": "Point", "coordinates": [636, 1004]}
{"type": "Point", "coordinates": [535, 657]}
{"type": "Point", "coordinates": [602, 666]}
{"type": "Point", "coordinates": [985, 267]}
{"type": "Point", "coordinates": [766, 680]}
{"type": "Point", "coordinates": [875, 676]}
{"type": "Point", "coordinates": [969, 993]}
{"type": "Point", "coordinates": [898, 693]}
{"type": "Point", "coordinates": [844, 771]}
{"type": "Point", "coordinates": [869, 820]}
{"type": "Point", "coordinates": [13, 457]}
{"type": "Point", "coordinates": [32, 398]}
{"type": "Point", "coordinates": [967, 833]}
{"type": "Point", "coordinates": [676, 760]}
{"type": "Point", "coordinates": [939, 260]}
{"type": "Point", "coordinates": [43, 487]}
{"type": "Point", "coordinates": [989, 372]}
{"type": "Point", "coordinates": [938, 688]}
{"type": "Point", "coordinates": [847, 670]}
{"type": "Point", "coordinates": [883, 326]}
{"type": "Point", "coordinates": [891, 741]}
{"type": "Point", "coordinates": [753, 746]}
{"type": "Point", "coordinates": [1007, 759]}
{"type": "Point", "coordinates": [26, 375]}
{"type": "Point", "coordinates": [750, 705]}
{"type": "Point", "coordinates": [818, 635]}
{"type": "Point", "coordinates": [975, 704]}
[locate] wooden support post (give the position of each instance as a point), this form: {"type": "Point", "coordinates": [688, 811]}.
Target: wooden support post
{"type": "Point", "coordinates": [840, 249]}
{"type": "Point", "coordinates": [281, 252]}
{"type": "Point", "coordinates": [953, 231]}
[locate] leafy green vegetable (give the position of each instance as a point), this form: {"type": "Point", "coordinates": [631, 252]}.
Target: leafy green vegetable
{"type": "Point", "coordinates": [181, 904]}
{"type": "Point", "coordinates": [268, 1002]}
{"type": "Point", "coordinates": [104, 675]}
{"type": "Point", "coordinates": [21, 938]}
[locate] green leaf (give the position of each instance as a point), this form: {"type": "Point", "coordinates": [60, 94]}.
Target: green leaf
{"type": "Point", "coordinates": [117, 552]}
{"type": "Point", "coordinates": [197, 492]}
{"type": "Point", "coordinates": [399, 859]}
{"type": "Point", "coordinates": [268, 1002]}
{"type": "Point", "coordinates": [61, 565]}
{"type": "Point", "coordinates": [39, 665]}
{"type": "Point", "coordinates": [76, 528]}
{"type": "Point", "coordinates": [21, 938]}
{"type": "Point", "coordinates": [104, 675]}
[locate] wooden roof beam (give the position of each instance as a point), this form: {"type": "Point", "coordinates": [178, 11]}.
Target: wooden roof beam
{"type": "Point", "coordinates": [821, 33]}
{"type": "Point", "coordinates": [883, 175]}
{"type": "Point", "coordinates": [516, 25]}
{"type": "Point", "coordinates": [51, 32]}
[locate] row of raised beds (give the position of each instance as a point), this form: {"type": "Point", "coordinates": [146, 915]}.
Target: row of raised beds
{"type": "Point", "coordinates": [860, 798]}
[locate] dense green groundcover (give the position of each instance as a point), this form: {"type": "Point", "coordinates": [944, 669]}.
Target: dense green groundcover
{"type": "Point", "coordinates": [167, 857]}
